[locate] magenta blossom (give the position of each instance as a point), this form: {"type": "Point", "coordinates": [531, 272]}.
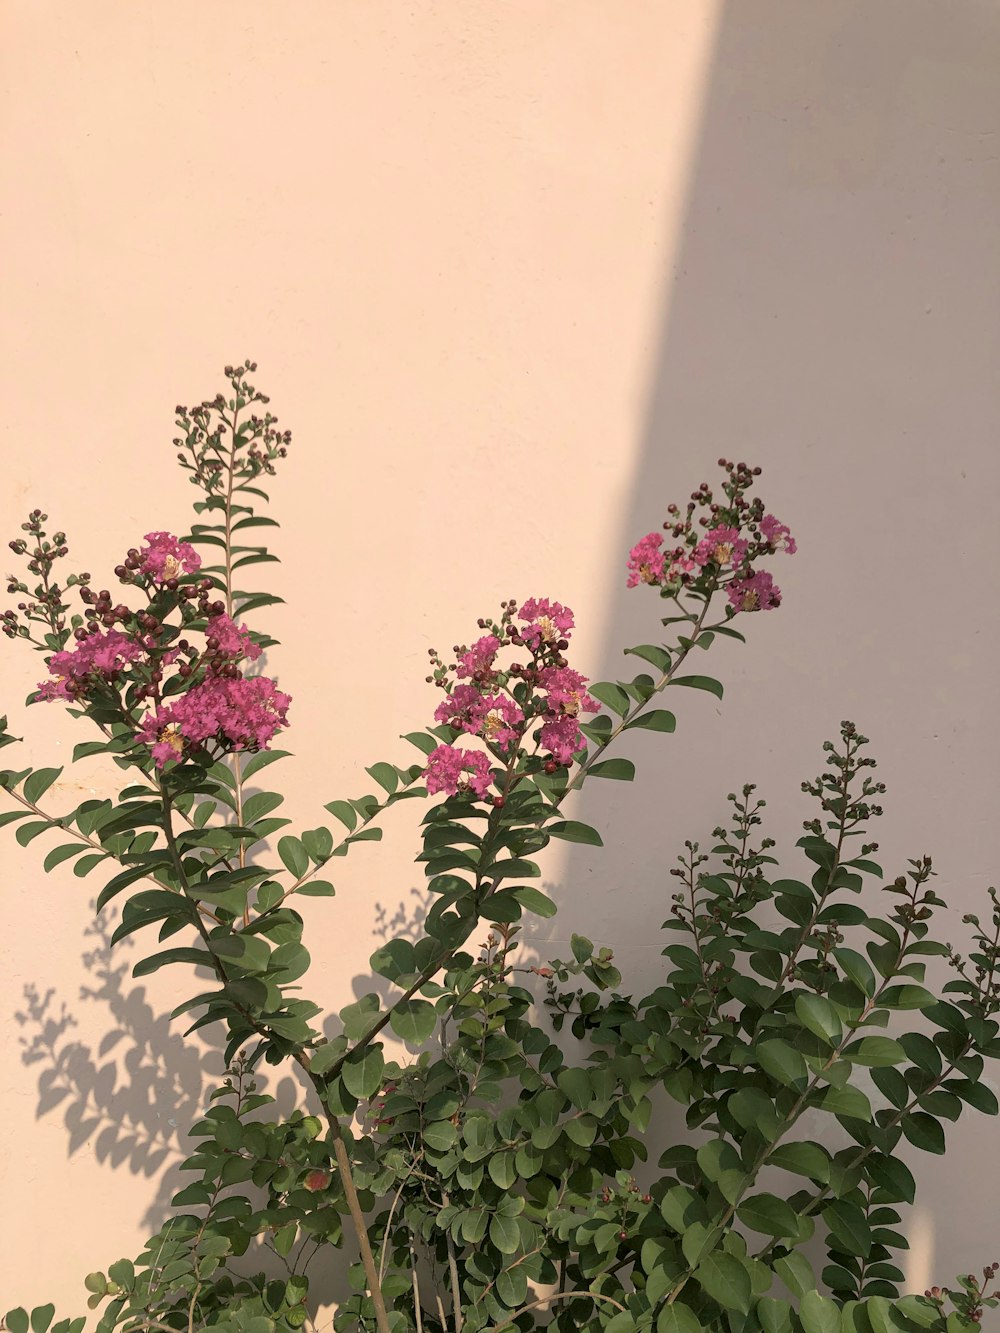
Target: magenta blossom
{"type": "Point", "coordinates": [96, 655]}
{"type": "Point", "coordinates": [562, 737]}
{"type": "Point", "coordinates": [234, 640]}
{"type": "Point", "coordinates": [237, 714]}
{"type": "Point", "coordinates": [759, 592]}
{"type": "Point", "coordinates": [646, 561]}
{"type": "Point", "coordinates": [165, 557]}
{"type": "Point", "coordinates": [723, 546]}
{"type": "Point", "coordinates": [492, 716]}
{"type": "Point", "coordinates": [479, 659]}
{"type": "Point", "coordinates": [457, 709]}
{"type": "Point", "coordinates": [450, 770]}
{"type": "Point", "coordinates": [548, 621]}
{"type": "Point", "coordinates": [778, 535]}
{"type": "Point", "coordinates": [565, 688]}
{"type": "Point", "coordinates": [499, 719]}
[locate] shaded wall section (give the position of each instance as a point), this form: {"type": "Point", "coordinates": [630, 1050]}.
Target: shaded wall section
{"type": "Point", "coordinates": [832, 314]}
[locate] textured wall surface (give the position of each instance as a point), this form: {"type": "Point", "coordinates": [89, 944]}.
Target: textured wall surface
{"type": "Point", "coordinates": [515, 274]}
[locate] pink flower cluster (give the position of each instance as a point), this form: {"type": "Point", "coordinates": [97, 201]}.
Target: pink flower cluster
{"type": "Point", "coordinates": [740, 534]}
{"type": "Point", "coordinates": [723, 546]}
{"type": "Point", "coordinates": [493, 716]}
{"type": "Point", "coordinates": [549, 690]}
{"type": "Point", "coordinates": [164, 557]}
{"type": "Point", "coordinates": [450, 770]}
{"type": "Point", "coordinates": [758, 592]}
{"type": "Point", "coordinates": [231, 640]}
{"type": "Point", "coordinates": [646, 562]}
{"type": "Point", "coordinates": [101, 655]}
{"type": "Point", "coordinates": [239, 714]}
{"type": "Point", "coordinates": [548, 622]}
{"type": "Point", "coordinates": [478, 661]}
{"type": "Point", "coordinates": [778, 535]}
{"type": "Point", "coordinates": [209, 699]}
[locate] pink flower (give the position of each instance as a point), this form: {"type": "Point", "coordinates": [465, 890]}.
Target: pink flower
{"type": "Point", "coordinates": [778, 535]}
{"type": "Point", "coordinates": [492, 716]}
{"type": "Point", "coordinates": [756, 593]}
{"type": "Point", "coordinates": [450, 770]}
{"type": "Point", "coordinates": [548, 621]}
{"type": "Point", "coordinates": [236, 714]}
{"type": "Point", "coordinates": [457, 709]}
{"type": "Point", "coordinates": [646, 561]}
{"type": "Point", "coordinates": [723, 546]}
{"type": "Point", "coordinates": [234, 640]}
{"type": "Point", "coordinates": [165, 557]}
{"type": "Point", "coordinates": [96, 655]}
{"type": "Point", "coordinates": [479, 658]}
{"type": "Point", "coordinates": [562, 737]}
{"type": "Point", "coordinates": [499, 719]}
{"type": "Point", "coordinates": [565, 688]}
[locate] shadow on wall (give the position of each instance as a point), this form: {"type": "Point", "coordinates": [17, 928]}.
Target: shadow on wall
{"type": "Point", "coordinates": [832, 315]}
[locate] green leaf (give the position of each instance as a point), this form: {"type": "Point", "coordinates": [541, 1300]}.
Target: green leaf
{"type": "Point", "coordinates": [857, 968]}
{"type": "Point", "coordinates": [819, 1016]}
{"type": "Point", "coordinates": [612, 695]}
{"type": "Point", "coordinates": [677, 1318]}
{"type": "Point", "coordinates": [796, 1272]}
{"type": "Point", "coordinates": [782, 1062]}
{"type": "Point", "coordinates": [572, 831]}
{"type": "Point", "coordinates": [657, 719]}
{"type": "Point", "coordinates": [41, 1317]}
{"type": "Point", "coordinates": [505, 1233]}
{"type": "Point", "coordinates": [768, 1214]}
{"type": "Point", "coordinates": [923, 1131]}
{"type": "Point", "coordinates": [849, 1226]}
{"type": "Point", "coordinates": [818, 1314]}
{"type": "Point", "coordinates": [533, 900]}
{"type": "Point", "coordinates": [424, 742]}
{"type": "Point", "coordinates": [362, 1071]}
{"type": "Point", "coordinates": [893, 1178]}
{"type": "Point", "coordinates": [907, 997]}
{"type": "Point", "coordinates": [878, 1051]}
{"type": "Point", "coordinates": [700, 683]}
{"type": "Point", "coordinates": [847, 1101]}
{"type": "Point", "coordinates": [649, 652]}
{"type": "Point", "coordinates": [345, 813]}
{"type": "Point", "coordinates": [316, 888]}
{"type": "Point", "coordinates": [17, 1320]}
{"type": "Point", "coordinates": [385, 775]}
{"type": "Point", "coordinates": [725, 1279]}
{"type": "Point", "coordinates": [293, 855]}
{"type": "Point", "coordinates": [121, 881]}
{"type": "Point", "coordinates": [38, 784]}
{"type": "Point", "coordinates": [63, 853]}
{"type": "Point", "coordinates": [358, 1017]}
{"type": "Point", "coordinates": [28, 832]}
{"type": "Point", "coordinates": [804, 1159]}
{"type": "Point", "coordinates": [145, 966]}
{"type": "Point", "coordinates": [622, 770]}
{"type": "Point", "coordinates": [323, 1057]}
{"type": "Point", "coordinates": [413, 1020]}
{"type": "Point", "coordinates": [259, 805]}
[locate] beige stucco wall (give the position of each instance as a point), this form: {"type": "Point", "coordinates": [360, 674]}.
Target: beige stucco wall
{"type": "Point", "coordinates": [515, 274]}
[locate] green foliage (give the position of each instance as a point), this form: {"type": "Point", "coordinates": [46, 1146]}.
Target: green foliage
{"type": "Point", "coordinates": [486, 1164]}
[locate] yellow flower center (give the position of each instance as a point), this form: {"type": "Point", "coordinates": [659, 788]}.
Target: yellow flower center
{"type": "Point", "coordinates": [723, 553]}
{"type": "Point", "coordinates": [492, 723]}
{"type": "Point", "coordinates": [549, 631]}
{"type": "Point", "coordinates": [750, 599]}
{"type": "Point", "coordinates": [172, 736]}
{"type": "Point", "coordinates": [171, 567]}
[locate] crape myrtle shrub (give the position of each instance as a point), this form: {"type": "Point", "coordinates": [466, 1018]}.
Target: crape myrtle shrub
{"type": "Point", "coordinates": [486, 1182]}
